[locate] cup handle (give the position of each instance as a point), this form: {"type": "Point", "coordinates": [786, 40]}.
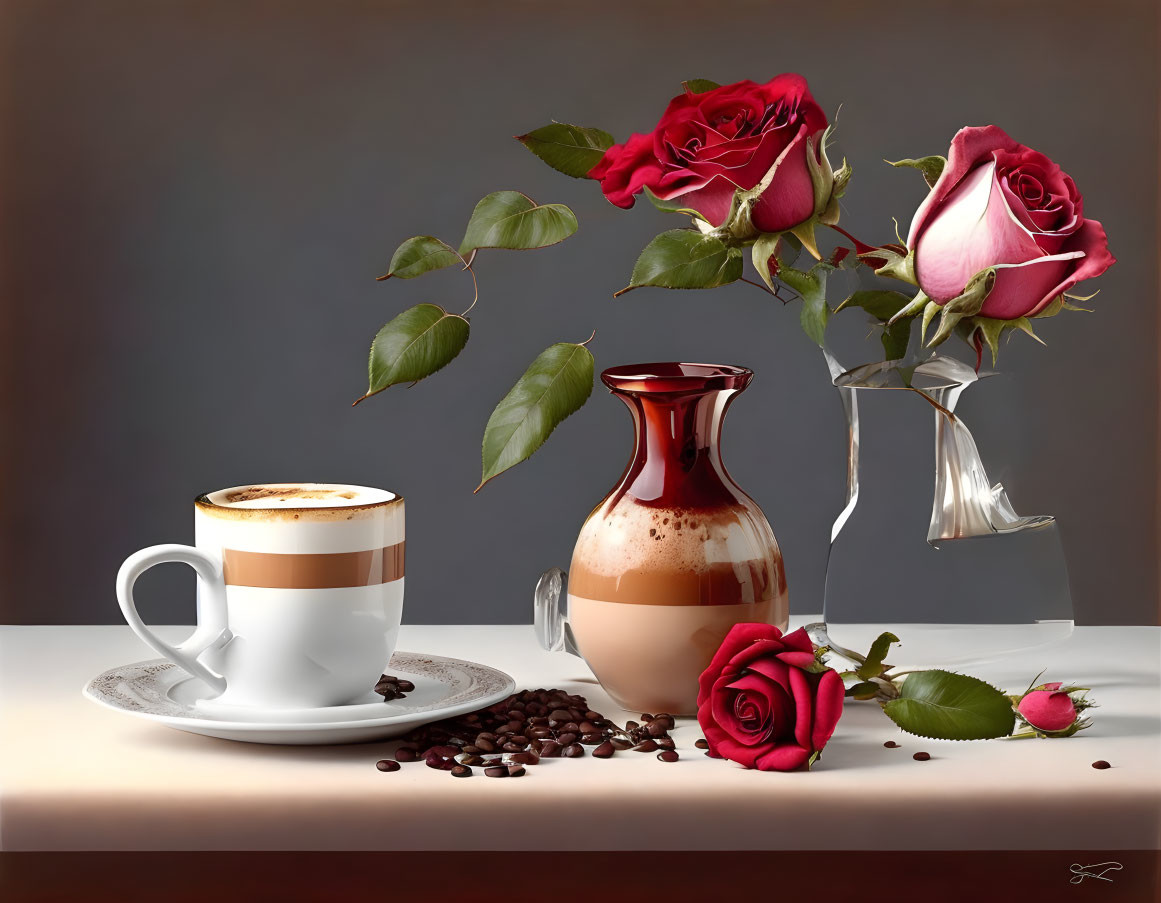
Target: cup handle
{"type": "Point", "coordinates": [549, 620]}
{"type": "Point", "coordinates": [212, 626]}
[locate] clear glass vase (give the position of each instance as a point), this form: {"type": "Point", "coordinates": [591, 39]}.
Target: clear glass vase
{"type": "Point", "coordinates": [937, 556]}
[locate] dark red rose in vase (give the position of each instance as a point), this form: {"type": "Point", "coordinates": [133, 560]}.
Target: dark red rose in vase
{"type": "Point", "coordinates": [1001, 204]}
{"type": "Point", "coordinates": [765, 702]}
{"type": "Point", "coordinates": [708, 145]}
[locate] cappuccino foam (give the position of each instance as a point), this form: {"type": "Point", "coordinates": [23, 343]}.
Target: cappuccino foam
{"type": "Point", "coordinates": [635, 536]}
{"type": "Point", "coordinates": [630, 552]}
{"type": "Point", "coordinates": [270, 496]}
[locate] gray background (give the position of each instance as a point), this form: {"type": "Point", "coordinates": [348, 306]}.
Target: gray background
{"type": "Point", "coordinates": [198, 196]}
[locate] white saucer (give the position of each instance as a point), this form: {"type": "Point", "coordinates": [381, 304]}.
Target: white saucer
{"type": "Point", "coordinates": [161, 691]}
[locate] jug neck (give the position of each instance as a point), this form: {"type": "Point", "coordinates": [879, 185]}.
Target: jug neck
{"type": "Point", "coordinates": [677, 411]}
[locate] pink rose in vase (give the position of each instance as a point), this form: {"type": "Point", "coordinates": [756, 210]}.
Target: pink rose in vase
{"type": "Point", "coordinates": [1003, 205]}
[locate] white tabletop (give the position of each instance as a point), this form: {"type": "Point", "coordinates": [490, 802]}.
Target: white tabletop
{"type": "Point", "coordinates": [74, 776]}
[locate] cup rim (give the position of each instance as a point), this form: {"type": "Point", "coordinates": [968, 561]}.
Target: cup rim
{"type": "Point", "coordinates": [205, 503]}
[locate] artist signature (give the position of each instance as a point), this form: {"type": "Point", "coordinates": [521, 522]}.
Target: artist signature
{"type": "Point", "coordinates": [1080, 872]}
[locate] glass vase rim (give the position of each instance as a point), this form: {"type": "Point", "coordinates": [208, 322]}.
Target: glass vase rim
{"type": "Point", "coordinates": [676, 376]}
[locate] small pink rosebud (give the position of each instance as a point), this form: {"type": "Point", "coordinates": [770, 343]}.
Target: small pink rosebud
{"type": "Point", "coordinates": [1047, 710]}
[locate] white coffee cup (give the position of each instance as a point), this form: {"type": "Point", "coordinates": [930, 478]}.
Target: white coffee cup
{"type": "Point", "coordinates": [300, 592]}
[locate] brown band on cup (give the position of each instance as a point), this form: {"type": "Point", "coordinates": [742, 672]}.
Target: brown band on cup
{"type": "Point", "coordinates": [313, 571]}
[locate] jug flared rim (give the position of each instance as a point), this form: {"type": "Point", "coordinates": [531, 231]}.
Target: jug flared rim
{"type": "Point", "coordinates": [676, 376]}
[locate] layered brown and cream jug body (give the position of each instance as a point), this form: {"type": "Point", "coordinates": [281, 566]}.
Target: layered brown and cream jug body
{"type": "Point", "coordinates": [677, 553]}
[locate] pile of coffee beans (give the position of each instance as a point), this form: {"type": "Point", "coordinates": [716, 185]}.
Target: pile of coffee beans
{"type": "Point", "coordinates": [390, 687]}
{"type": "Point", "coordinates": [526, 727]}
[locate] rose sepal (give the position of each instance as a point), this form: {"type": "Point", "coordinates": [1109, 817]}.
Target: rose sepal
{"type": "Point", "coordinates": [931, 167]}
{"type": "Point", "coordinates": [672, 207]}
{"type": "Point", "coordinates": [966, 304]}
{"type": "Point", "coordinates": [898, 262]}
{"type": "Point", "coordinates": [991, 330]}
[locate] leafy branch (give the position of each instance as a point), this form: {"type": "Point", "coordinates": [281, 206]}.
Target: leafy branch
{"type": "Point", "coordinates": [426, 338]}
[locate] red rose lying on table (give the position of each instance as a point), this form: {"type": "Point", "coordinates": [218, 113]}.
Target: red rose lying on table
{"type": "Point", "coordinates": [766, 702]}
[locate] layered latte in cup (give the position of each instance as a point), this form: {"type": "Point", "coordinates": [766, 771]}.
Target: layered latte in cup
{"type": "Point", "coordinates": [301, 593]}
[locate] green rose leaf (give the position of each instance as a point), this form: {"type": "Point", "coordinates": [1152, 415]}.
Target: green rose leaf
{"type": "Point", "coordinates": [418, 255]}
{"type": "Point", "coordinates": [930, 167]}
{"type": "Point", "coordinates": [812, 287]}
{"type": "Point", "coordinates": [699, 85]}
{"type": "Point", "coordinates": [683, 258]}
{"type": "Point", "coordinates": [873, 665]}
{"type": "Point", "coordinates": [570, 149]}
{"type": "Point", "coordinates": [509, 219]}
{"type": "Point", "coordinates": [417, 343]}
{"type": "Point", "coordinates": [895, 339]}
{"type": "Point", "coordinates": [882, 305]}
{"type": "Point", "coordinates": [554, 386]}
{"type": "Point", "coordinates": [946, 706]}
{"type": "Point", "coordinates": [865, 690]}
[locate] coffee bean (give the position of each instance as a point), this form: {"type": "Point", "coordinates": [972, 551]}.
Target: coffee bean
{"type": "Point", "coordinates": [656, 728]}
{"type": "Point", "coordinates": [566, 739]}
{"type": "Point", "coordinates": [513, 747]}
{"type": "Point", "coordinates": [403, 754]}
{"type": "Point", "coordinates": [666, 743]}
{"type": "Point", "coordinates": [592, 739]}
{"type": "Point", "coordinates": [496, 771]}
{"type": "Point", "coordinates": [701, 743]}
{"type": "Point", "coordinates": [525, 758]}
{"type": "Point", "coordinates": [387, 765]}
{"type": "Point", "coordinates": [485, 735]}
{"type": "Point", "coordinates": [540, 733]}
{"type": "Point", "coordinates": [666, 719]}
{"type": "Point", "coordinates": [470, 749]}
{"type": "Point", "coordinates": [921, 756]}
{"type": "Point", "coordinates": [405, 685]}
{"type": "Point", "coordinates": [519, 740]}
{"type": "Point", "coordinates": [561, 715]}
{"type": "Point", "coordinates": [645, 746]}
{"type": "Point", "coordinates": [573, 751]}
{"type": "Point", "coordinates": [516, 771]}
{"type": "Point", "coordinates": [604, 751]}
{"type": "Point", "coordinates": [646, 717]}
{"type": "Point", "coordinates": [550, 749]}
{"type": "Point", "coordinates": [620, 743]}
{"type": "Point", "coordinates": [442, 751]}
{"type": "Point", "coordinates": [587, 727]}
{"type": "Point", "coordinates": [1101, 764]}
{"type": "Point", "coordinates": [485, 744]}
{"type": "Point", "coordinates": [461, 771]}
{"type": "Point", "coordinates": [631, 725]}
{"type": "Point", "coordinates": [891, 744]}
{"type": "Point", "coordinates": [668, 755]}
{"type": "Point", "coordinates": [594, 716]}
{"type": "Point", "coordinates": [472, 760]}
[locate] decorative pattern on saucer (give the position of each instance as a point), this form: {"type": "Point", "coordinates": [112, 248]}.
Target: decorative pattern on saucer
{"type": "Point", "coordinates": [161, 691]}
